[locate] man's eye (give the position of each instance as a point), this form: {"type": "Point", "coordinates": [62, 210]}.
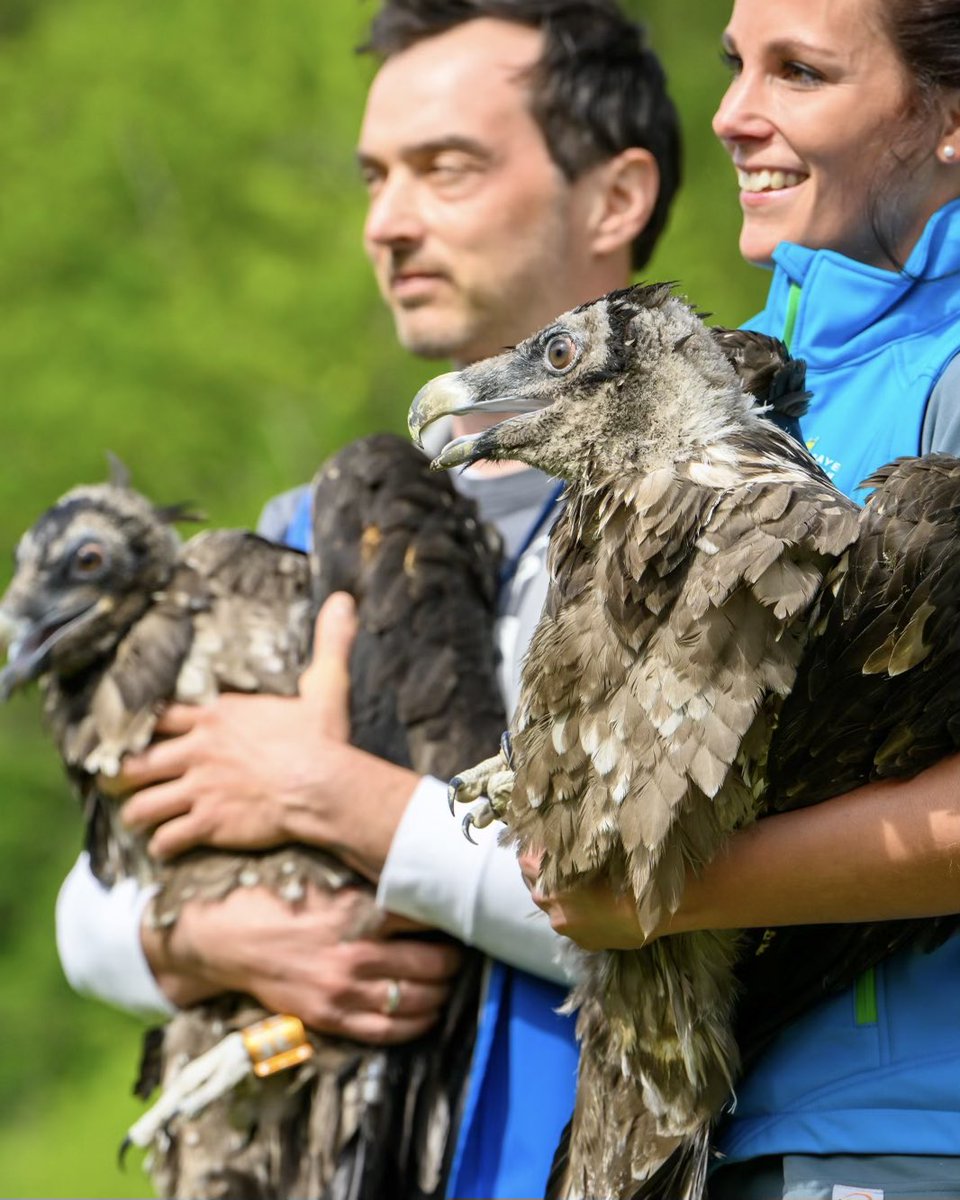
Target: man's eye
{"type": "Point", "coordinates": [449, 168]}
{"type": "Point", "coordinates": [560, 352]}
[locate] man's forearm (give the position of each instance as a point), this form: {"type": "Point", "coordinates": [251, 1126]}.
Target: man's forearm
{"type": "Point", "coordinates": [360, 833]}
{"type": "Point", "coordinates": [887, 851]}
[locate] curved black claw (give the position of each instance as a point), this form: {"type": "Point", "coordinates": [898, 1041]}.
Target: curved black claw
{"type": "Point", "coordinates": [452, 787]}
{"type": "Point", "coordinates": [506, 747]}
{"type": "Point", "coordinates": [467, 826]}
{"type": "Point", "coordinates": [122, 1153]}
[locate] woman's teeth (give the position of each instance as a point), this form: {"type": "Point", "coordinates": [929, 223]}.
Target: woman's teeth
{"type": "Point", "coordinates": [767, 181]}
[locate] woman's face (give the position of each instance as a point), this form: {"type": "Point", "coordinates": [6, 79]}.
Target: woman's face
{"type": "Point", "coordinates": [816, 120]}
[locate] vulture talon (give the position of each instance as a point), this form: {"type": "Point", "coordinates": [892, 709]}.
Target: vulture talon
{"type": "Point", "coordinates": [452, 788]}
{"type": "Point", "coordinates": [506, 748]}
{"type": "Point", "coordinates": [122, 1153]}
{"type": "Point", "coordinates": [479, 816]}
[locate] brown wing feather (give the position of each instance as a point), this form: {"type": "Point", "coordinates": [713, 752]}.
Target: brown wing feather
{"type": "Point", "coordinates": [876, 697]}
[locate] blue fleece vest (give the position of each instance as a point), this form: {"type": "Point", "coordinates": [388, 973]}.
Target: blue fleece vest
{"type": "Point", "coordinates": [877, 1069]}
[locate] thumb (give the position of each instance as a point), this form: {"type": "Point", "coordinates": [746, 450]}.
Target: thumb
{"type": "Point", "coordinates": [326, 681]}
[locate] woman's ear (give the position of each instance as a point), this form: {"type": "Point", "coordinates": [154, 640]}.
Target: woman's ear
{"type": "Point", "coordinates": [948, 147]}
{"type": "Point", "coordinates": [625, 194]}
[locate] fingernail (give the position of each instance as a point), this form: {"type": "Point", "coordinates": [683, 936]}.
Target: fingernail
{"type": "Point", "coordinates": [340, 605]}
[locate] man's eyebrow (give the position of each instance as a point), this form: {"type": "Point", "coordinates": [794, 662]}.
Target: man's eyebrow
{"type": "Point", "coordinates": [432, 147]}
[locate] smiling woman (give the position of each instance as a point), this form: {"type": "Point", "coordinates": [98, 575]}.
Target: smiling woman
{"type": "Point", "coordinates": [842, 118]}
{"type": "Point", "coordinates": [833, 133]}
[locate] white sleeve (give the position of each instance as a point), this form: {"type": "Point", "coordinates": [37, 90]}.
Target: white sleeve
{"type": "Point", "coordinates": [98, 939]}
{"type": "Point", "coordinates": [476, 893]}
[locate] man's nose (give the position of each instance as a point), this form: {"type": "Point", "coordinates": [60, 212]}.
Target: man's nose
{"type": "Point", "coordinates": [393, 214]}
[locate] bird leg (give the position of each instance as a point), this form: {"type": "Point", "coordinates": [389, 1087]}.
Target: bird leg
{"type": "Point", "coordinates": [487, 787]}
{"type": "Point", "coordinates": [271, 1045]}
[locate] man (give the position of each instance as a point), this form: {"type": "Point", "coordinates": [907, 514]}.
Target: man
{"type": "Point", "coordinates": [520, 158]}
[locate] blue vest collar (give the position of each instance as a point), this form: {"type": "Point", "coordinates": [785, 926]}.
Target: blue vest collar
{"type": "Point", "coordinates": [861, 296]}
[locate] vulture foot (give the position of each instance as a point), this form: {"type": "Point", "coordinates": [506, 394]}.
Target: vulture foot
{"type": "Point", "coordinates": [480, 815]}
{"type": "Point", "coordinates": [487, 787]}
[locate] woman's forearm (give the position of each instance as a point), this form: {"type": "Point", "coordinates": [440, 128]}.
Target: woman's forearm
{"type": "Point", "coordinates": [886, 851]}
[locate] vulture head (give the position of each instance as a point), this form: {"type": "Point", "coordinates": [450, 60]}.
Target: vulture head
{"type": "Point", "coordinates": [85, 572]}
{"type": "Point", "coordinates": [634, 381]}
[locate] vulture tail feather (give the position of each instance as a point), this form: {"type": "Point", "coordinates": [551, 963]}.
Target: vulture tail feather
{"type": "Point", "coordinates": [683, 1176]}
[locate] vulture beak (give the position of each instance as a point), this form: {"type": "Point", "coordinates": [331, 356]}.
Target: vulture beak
{"type": "Point", "coordinates": [450, 395]}
{"type": "Point", "coordinates": [445, 396]}
{"type": "Point", "coordinates": [29, 644]}
{"type": "Point", "coordinates": [15, 635]}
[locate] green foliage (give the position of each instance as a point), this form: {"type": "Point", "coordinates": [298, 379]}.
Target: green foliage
{"type": "Point", "coordinates": [181, 282]}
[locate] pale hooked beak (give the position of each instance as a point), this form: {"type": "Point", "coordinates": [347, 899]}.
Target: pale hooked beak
{"type": "Point", "coordinates": [444, 396]}
{"type": "Point", "coordinates": [449, 396]}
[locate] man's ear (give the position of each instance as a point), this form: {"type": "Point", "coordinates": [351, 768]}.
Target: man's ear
{"type": "Point", "coordinates": [625, 190]}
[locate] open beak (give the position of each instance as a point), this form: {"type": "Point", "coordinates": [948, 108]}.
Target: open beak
{"type": "Point", "coordinates": [444, 396]}
{"type": "Point", "coordinates": [450, 396]}
{"type": "Point", "coordinates": [29, 645]}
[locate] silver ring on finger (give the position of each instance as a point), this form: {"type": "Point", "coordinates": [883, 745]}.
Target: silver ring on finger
{"type": "Point", "coordinates": [392, 1002]}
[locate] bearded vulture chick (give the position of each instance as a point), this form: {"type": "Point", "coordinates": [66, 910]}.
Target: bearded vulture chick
{"type": "Point", "coordinates": [115, 617]}
{"type": "Point", "coordinates": [700, 554]}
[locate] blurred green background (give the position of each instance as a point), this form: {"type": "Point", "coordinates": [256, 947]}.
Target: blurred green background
{"type": "Point", "coordinates": [181, 282]}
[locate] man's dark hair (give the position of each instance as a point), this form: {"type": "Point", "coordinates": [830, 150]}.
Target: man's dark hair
{"type": "Point", "coordinates": [596, 90]}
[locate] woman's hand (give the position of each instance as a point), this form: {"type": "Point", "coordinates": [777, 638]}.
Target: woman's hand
{"type": "Point", "coordinates": [594, 915]}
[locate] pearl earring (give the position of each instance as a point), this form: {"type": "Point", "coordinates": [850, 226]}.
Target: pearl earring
{"type": "Point", "coordinates": [949, 152]}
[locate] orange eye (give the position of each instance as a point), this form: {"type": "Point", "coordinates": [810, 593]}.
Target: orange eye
{"type": "Point", "coordinates": [88, 559]}
{"type": "Point", "coordinates": [560, 352]}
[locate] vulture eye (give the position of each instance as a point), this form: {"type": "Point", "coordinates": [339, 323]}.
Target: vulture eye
{"type": "Point", "coordinates": [560, 353]}
{"type": "Point", "coordinates": [89, 559]}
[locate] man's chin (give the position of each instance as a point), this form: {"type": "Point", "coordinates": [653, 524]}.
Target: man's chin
{"type": "Point", "coordinates": [429, 338]}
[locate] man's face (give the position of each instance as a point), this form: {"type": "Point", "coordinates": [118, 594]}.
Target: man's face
{"type": "Point", "coordinates": [475, 235]}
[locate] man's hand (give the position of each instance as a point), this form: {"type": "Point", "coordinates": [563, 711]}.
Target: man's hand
{"type": "Point", "coordinates": [249, 772]}
{"type": "Point", "coordinates": [296, 961]}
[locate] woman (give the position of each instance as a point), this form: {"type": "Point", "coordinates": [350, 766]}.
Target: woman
{"type": "Point", "coordinates": [843, 122]}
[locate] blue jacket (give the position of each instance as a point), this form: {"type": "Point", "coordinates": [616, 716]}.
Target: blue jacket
{"type": "Point", "coordinates": [876, 1070]}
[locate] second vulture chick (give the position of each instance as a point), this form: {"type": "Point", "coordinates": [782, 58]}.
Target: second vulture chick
{"type": "Point", "coordinates": [116, 617]}
{"type": "Point", "coordinates": [694, 567]}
